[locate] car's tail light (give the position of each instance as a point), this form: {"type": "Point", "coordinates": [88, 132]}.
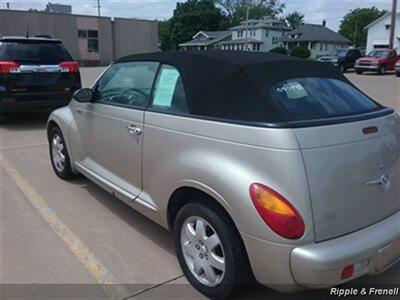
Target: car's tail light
{"type": "Point", "coordinates": [8, 66]}
{"type": "Point", "coordinates": [277, 212]}
{"type": "Point", "coordinates": [69, 66]}
{"type": "Point", "coordinates": [347, 272]}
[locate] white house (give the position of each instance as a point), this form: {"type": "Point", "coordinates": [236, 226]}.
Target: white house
{"type": "Point", "coordinates": [319, 39]}
{"type": "Point", "coordinates": [379, 32]}
{"type": "Point", "coordinates": [253, 35]}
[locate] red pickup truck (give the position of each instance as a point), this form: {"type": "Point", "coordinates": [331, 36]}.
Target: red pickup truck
{"type": "Point", "coordinates": [378, 60]}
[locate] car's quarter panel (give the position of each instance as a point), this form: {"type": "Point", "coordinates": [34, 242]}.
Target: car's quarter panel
{"type": "Point", "coordinates": [343, 166]}
{"type": "Point", "coordinates": [224, 159]}
{"type": "Point", "coordinates": [105, 146]}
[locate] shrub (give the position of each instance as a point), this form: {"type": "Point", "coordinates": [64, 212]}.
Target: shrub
{"type": "Point", "coordinates": [279, 50]}
{"type": "Point", "coordinates": [301, 52]}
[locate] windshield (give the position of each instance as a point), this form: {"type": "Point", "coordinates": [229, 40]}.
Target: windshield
{"type": "Point", "coordinates": [34, 53]}
{"type": "Point", "coordinates": [339, 53]}
{"type": "Point", "coordinates": [378, 53]}
{"type": "Point", "coordinates": [319, 97]}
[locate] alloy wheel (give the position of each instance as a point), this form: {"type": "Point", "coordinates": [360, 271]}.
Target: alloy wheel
{"type": "Point", "coordinates": [58, 154]}
{"type": "Point", "coordinates": [203, 251]}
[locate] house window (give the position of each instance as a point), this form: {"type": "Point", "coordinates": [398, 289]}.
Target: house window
{"type": "Point", "coordinates": [82, 33]}
{"type": "Point", "coordinates": [267, 33]}
{"type": "Point", "coordinates": [387, 26]}
{"type": "Point", "coordinates": [93, 40]}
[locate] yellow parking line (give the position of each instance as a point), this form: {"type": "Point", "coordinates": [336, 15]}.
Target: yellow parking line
{"type": "Point", "coordinates": [99, 272]}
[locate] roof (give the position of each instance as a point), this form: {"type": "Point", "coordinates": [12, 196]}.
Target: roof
{"type": "Point", "coordinates": [33, 39]}
{"type": "Point", "coordinates": [314, 33]}
{"type": "Point", "coordinates": [381, 18]}
{"type": "Point", "coordinates": [241, 41]}
{"type": "Point", "coordinates": [235, 85]}
{"type": "Point", "coordinates": [204, 38]}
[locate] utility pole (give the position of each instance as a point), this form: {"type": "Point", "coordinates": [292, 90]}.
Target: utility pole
{"type": "Point", "coordinates": [393, 23]}
{"type": "Point", "coordinates": [355, 34]}
{"type": "Point", "coordinates": [98, 8]}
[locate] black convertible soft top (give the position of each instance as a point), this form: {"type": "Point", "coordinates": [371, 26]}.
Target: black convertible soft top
{"type": "Point", "coordinates": [235, 85]}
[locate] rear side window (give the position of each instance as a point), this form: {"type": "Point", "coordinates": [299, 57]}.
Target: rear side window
{"type": "Point", "coordinates": [35, 53]}
{"type": "Point", "coordinates": [169, 94]}
{"type": "Point", "coordinates": [318, 97]}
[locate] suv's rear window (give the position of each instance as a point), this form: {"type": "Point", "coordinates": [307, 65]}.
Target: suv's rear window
{"type": "Point", "coordinates": [319, 97]}
{"type": "Point", "coordinates": [34, 53]}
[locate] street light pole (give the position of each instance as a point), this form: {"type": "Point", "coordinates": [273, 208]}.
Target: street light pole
{"type": "Point", "coordinates": [393, 23]}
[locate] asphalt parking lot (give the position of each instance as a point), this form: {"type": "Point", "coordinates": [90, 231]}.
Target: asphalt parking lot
{"type": "Point", "coordinates": [62, 238]}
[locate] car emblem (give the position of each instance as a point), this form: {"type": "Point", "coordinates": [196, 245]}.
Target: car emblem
{"type": "Point", "coordinates": [383, 181]}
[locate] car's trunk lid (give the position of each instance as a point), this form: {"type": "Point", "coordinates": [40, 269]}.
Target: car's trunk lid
{"type": "Point", "coordinates": [353, 173]}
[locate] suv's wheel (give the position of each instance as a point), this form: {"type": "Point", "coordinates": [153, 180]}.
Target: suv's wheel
{"type": "Point", "coordinates": [210, 251]}
{"type": "Point", "coordinates": [59, 154]}
{"type": "Point", "coordinates": [382, 70]}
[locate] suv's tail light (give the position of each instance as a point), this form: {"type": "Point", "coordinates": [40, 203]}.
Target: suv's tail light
{"type": "Point", "coordinates": [277, 212]}
{"type": "Point", "coordinates": [8, 66]}
{"type": "Point", "coordinates": [69, 66]}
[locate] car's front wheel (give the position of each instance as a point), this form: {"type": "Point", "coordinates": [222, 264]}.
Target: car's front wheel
{"type": "Point", "coordinates": [210, 251]}
{"type": "Point", "coordinates": [382, 70]}
{"type": "Point", "coordinates": [59, 155]}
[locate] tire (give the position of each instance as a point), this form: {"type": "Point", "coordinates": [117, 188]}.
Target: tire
{"type": "Point", "coordinates": [236, 272]}
{"type": "Point", "coordinates": [398, 74]}
{"type": "Point", "coordinates": [359, 72]}
{"type": "Point", "coordinates": [59, 155]}
{"type": "Point", "coordinates": [382, 70]}
{"type": "Point", "coordinates": [342, 68]}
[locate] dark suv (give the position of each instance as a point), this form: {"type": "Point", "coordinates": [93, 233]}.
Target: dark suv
{"type": "Point", "coordinates": [344, 59]}
{"type": "Point", "coordinates": [35, 73]}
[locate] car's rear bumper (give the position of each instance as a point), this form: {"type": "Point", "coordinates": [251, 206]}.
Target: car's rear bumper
{"type": "Point", "coordinates": [376, 248]}
{"type": "Point", "coordinates": [31, 101]}
{"type": "Point", "coordinates": [290, 268]}
{"type": "Point", "coordinates": [366, 68]}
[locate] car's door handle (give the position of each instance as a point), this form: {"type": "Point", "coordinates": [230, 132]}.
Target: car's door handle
{"type": "Point", "coordinates": [134, 130]}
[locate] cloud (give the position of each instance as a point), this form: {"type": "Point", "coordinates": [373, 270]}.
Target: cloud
{"type": "Point", "coordinates": [315, 10]}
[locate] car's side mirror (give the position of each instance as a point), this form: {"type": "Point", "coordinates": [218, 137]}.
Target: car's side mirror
{"type": "Point", "coordinates": [83, 95]}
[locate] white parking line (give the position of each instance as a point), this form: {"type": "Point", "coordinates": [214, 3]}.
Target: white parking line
{"type": "Point", "coordinates": [99, 272]}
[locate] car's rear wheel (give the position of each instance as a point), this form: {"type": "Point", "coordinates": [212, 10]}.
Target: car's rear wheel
{"type": "Point", "coordinates": [59, 155]}
{"type": "Point", "coordinates": [210, 251]}
{"type": "Point", "coordinates": [382, 70]}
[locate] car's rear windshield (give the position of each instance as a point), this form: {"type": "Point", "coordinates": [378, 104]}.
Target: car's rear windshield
{"type": "Point", "coordinates": [47, 53]}
{"type": "Point", "coordinates": [319, 97]}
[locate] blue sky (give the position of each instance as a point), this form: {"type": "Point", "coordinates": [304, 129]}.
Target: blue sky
{"type": "Point", "coordinates": [315, 10]}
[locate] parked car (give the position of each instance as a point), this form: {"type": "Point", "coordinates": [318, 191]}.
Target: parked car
{"type": "Point", "coordinates": [35, 73]}
{"type": "Point", "coordinates": [290, 175]}
{"type": "Point", "coordinates": [344, 59]}
{"type": "Point", "coordinates": [397, 68]}
{"type": "Point", "coordinates": [379, 60]}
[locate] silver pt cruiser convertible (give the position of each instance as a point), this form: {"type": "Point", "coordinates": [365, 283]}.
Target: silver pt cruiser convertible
{"type": "Point", "coordinates": [262, 165]}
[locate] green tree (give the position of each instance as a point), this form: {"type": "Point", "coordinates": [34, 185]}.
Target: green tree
{"type": "Point", "coordinates": [190, 17]}
{"type": "Point", "coordinates": [236, 10]}
{"type": "Point", "coordinates": [278, 50]}
{"type": "Point", "coordinates": [353, 24]}
{"type": "Point", "coordinates": [294, 19]}
{"type": "Point", "coordinates": [301, 52]}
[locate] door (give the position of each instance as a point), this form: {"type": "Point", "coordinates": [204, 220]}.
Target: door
{"type": "Point", "coordinates": [111, 127]}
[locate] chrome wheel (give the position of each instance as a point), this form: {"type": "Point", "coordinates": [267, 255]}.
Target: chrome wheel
{"type": "Point", "coordinates": [57, 151]}
{"type": "Point", "coordinates": [203, 251]}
